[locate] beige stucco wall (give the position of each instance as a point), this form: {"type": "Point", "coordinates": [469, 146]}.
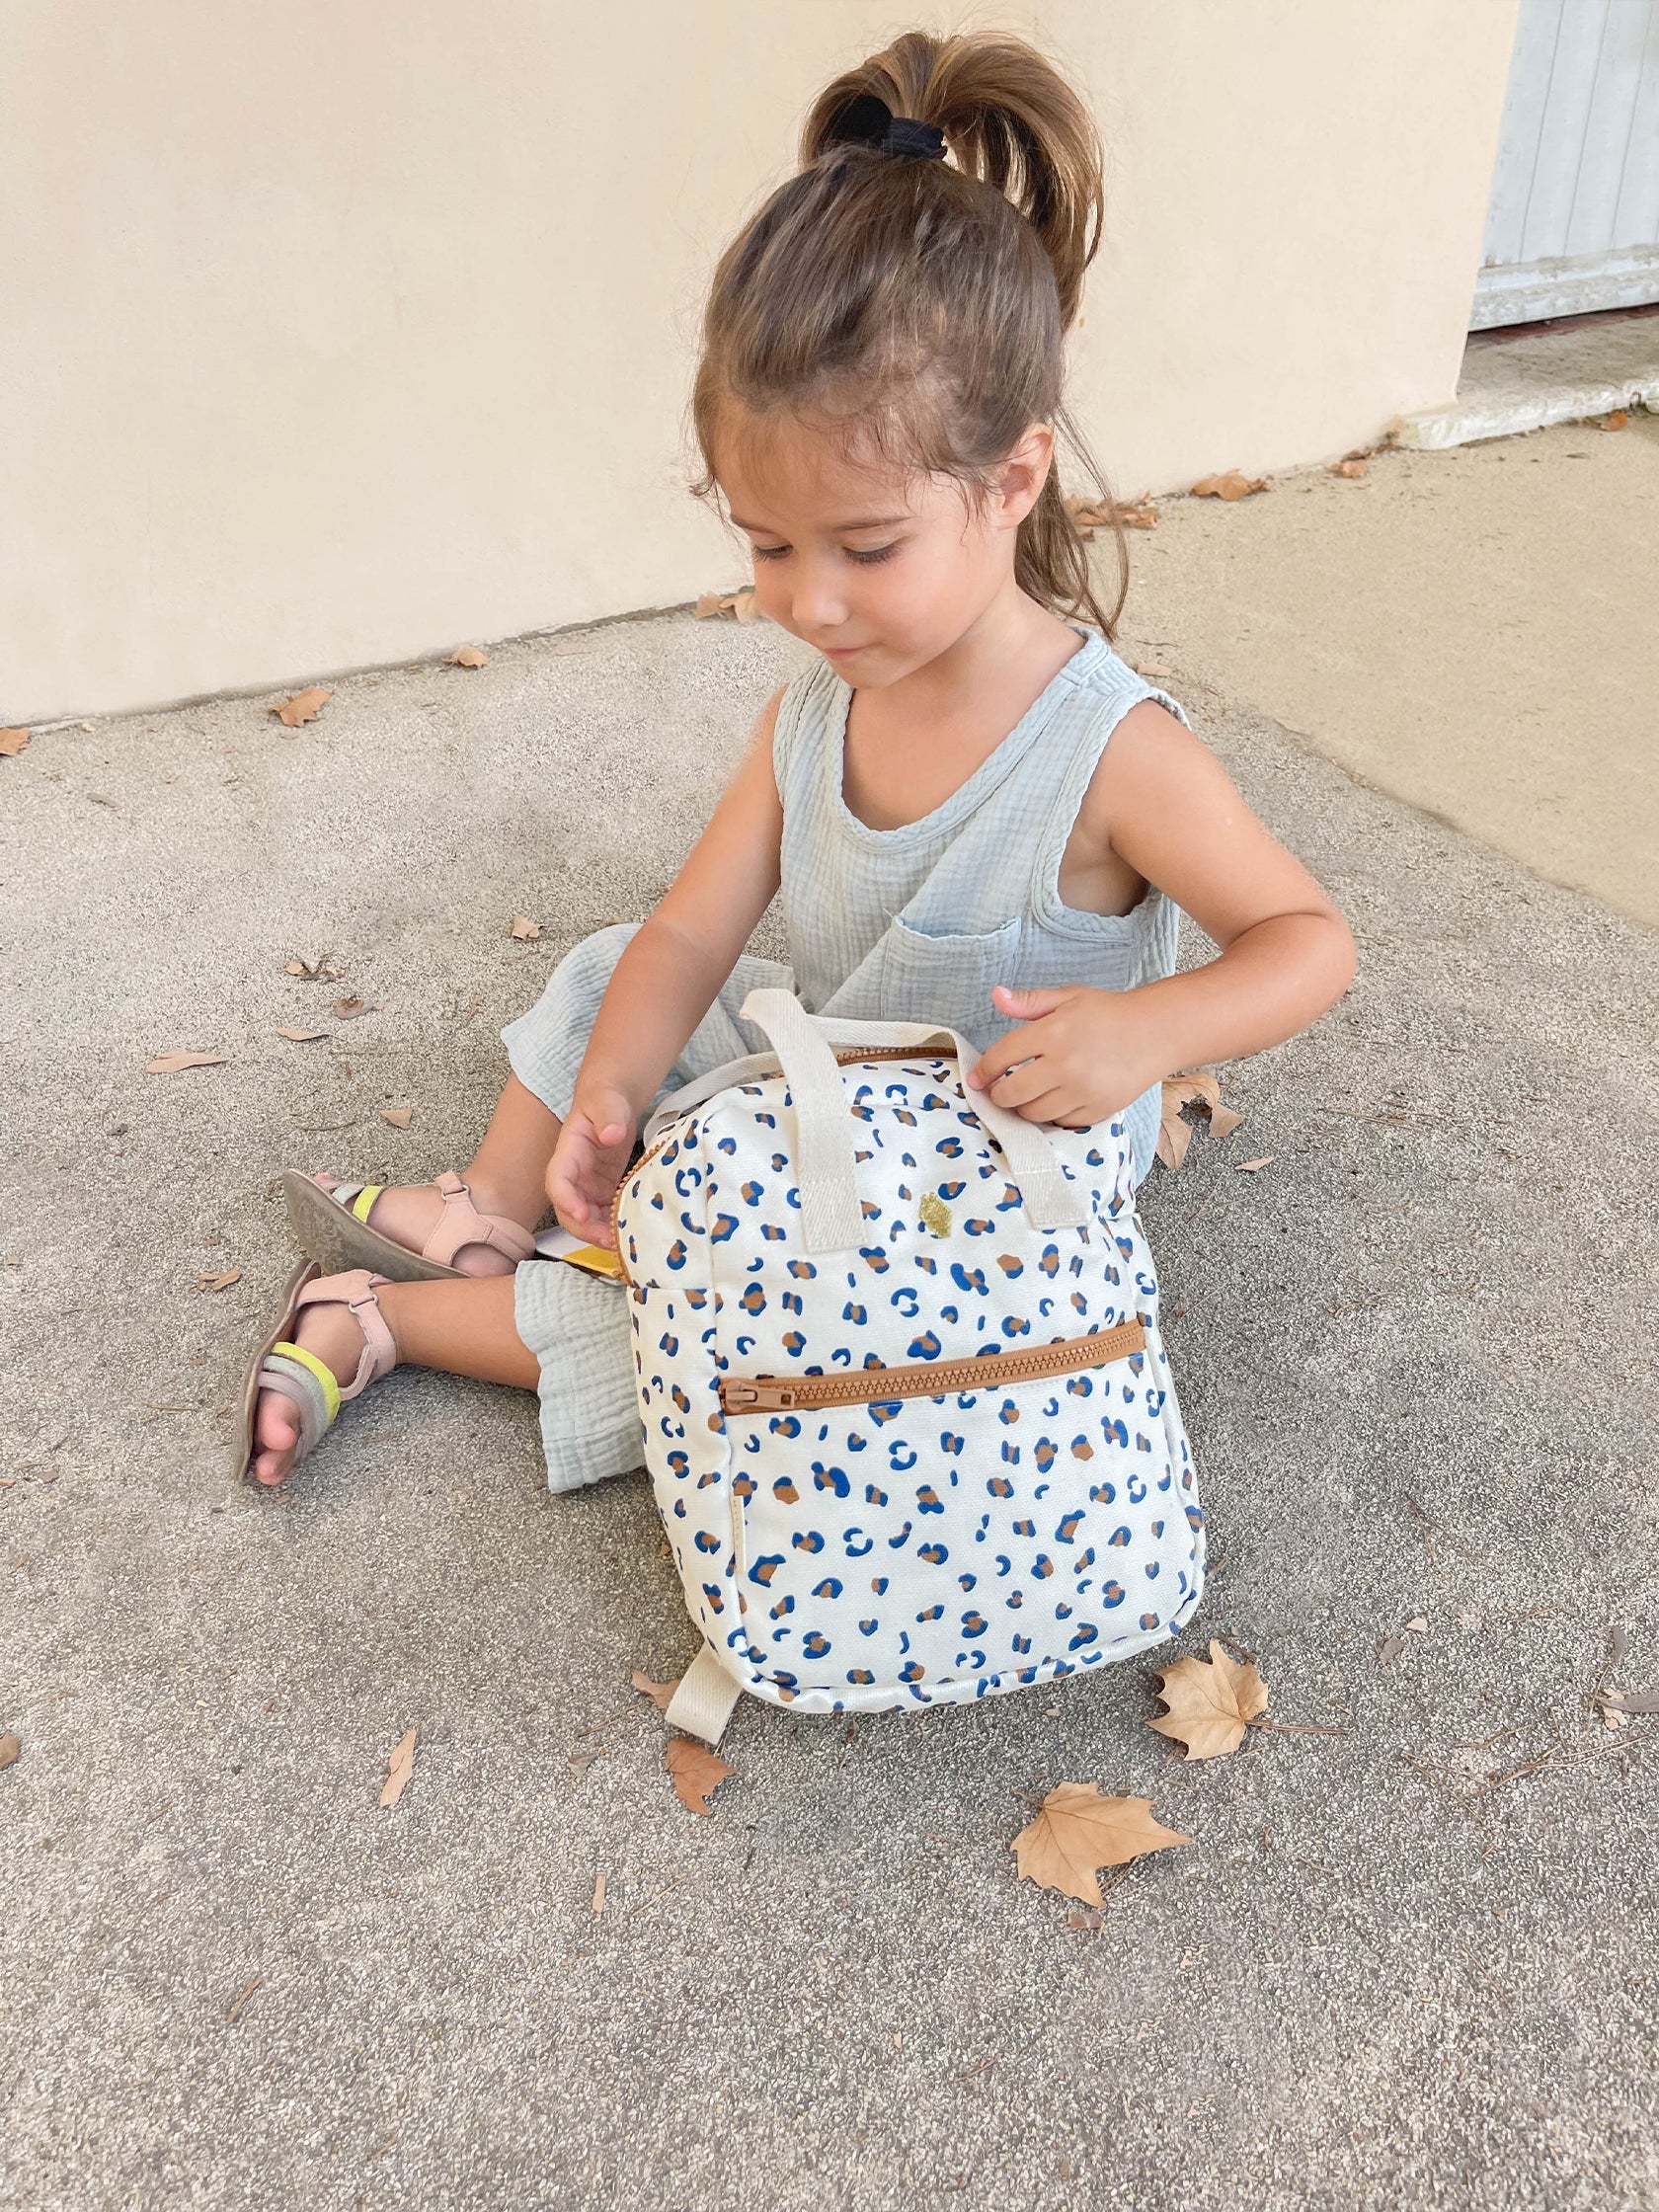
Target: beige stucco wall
{"type": "Point", "coordinates": [331, 334]}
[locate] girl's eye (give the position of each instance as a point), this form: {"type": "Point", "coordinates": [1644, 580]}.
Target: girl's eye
{"type": "Point", "coordinates": [883, 553]}
{"type": "Point", "coordinates": [768, 552]}
{"type": "Point", "coordinates": [780, 552]}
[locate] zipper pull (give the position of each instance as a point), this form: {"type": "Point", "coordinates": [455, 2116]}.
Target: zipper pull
{"type": "Point", "coordinates": [759, 1397]}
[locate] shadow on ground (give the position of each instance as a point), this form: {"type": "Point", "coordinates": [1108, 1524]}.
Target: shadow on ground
{"type": "Point", "coordinates": [1408, 1960]}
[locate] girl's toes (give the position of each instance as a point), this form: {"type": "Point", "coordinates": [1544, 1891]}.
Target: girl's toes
{"type": "Point", "coordinates": [275, 1433]}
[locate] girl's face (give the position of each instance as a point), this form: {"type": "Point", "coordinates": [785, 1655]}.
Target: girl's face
{"type": "Point", "coordinates": [879, 575]}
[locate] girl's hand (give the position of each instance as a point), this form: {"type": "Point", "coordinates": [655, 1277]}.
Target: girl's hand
{"type": "Point", "coordinates": [588, 1162]}
{"type": "Point", "coordinates": [1087, 1053]}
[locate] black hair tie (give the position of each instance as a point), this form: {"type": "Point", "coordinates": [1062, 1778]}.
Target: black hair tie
{"type": "Point", "coordinates": [868, 121]}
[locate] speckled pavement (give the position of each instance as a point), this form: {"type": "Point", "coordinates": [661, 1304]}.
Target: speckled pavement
{"type": "Point", "coordinates": [1409, 1958]}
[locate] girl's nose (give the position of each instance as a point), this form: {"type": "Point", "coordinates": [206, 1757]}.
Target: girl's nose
{"type": "Point", "coordinates": [817, 603]}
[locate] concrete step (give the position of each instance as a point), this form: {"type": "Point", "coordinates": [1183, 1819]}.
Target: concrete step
{"type": "Point", "coordinates": [1524, 380]}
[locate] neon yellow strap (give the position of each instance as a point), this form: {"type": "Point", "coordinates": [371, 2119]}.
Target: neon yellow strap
{"type": "Point", "coordinates": [365, 1200]}
{"type": "Point", "coordinates": [594, 1258]}
{"type": "Point", "coordinates": [325, 1375]}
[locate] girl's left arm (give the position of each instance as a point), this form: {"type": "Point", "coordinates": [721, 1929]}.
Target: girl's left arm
{"type": "Point", "coordinates": [1164, 804]}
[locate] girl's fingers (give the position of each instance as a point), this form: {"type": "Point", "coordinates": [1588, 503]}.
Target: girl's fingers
{"type": "Point", "coordinates": [1015, 1086]}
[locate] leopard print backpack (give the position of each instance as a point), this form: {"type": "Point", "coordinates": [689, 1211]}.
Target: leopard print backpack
{"type": "Point", "coordinates": [907, 1409]}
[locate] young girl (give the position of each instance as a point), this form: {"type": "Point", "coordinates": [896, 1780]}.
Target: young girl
{"type": "Point", "coordinates": [976, 813]}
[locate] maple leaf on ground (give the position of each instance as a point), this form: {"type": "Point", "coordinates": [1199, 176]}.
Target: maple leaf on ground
{"type": "Point", "coordinates": [697, 1772]}
{"type": "Point", "coordinates": [469, 657]}
{"type": "Point", "coordinates": [524, 930]}
{"type": "Point", "coordinates": [741, 603]}
{"type": "Point", "coordinates": [12, 742]}
{"type": "Point", "coordinates": [399, 1767]}
{"type": "Point", "coordinates": [660, 1693]}
{"type": "Point", "coordinates": [1175, 1131]}
{"type": "Point", "coordinates": [1076, 1830]}
{"type": "Point", "coordinates": [10, 1749]}
{"type": "Point", "coordinates": [1211, 1701]}
{"type": "Point", "coordinates": [302, 1036]}
{"type": "Point", "coordinates": [1235, 485]}
{"type": "Point", "coordinates": [349, 1008]}
{"type": "Point", "coordinates": [304, 706]}
{"type": "Point", "coordinates": [398, 1117]}
{"type": "Point", "coordinates": [1349, 468]}
{"type": "Point", "coordinates": [220, 1282]}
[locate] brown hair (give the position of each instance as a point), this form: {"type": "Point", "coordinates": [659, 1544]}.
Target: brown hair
{"type": "Point", "coordinates": [918, 307]}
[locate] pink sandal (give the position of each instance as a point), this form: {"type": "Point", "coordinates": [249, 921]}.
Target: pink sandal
{"type": "Point", "coordinates": [330, 1221]}
{"type": "Point", "coordinates": [294, 1372]}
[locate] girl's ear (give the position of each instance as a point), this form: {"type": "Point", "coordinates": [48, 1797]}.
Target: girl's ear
{"type": "Point", "coordinates": [1022, 477]}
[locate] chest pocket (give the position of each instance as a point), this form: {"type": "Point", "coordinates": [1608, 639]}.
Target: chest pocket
{"type": "Point", "coordinates": [948, 976]}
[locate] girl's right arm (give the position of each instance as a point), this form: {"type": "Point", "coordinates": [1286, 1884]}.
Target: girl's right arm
{"type": "Point", "coordinates": [666, 981]}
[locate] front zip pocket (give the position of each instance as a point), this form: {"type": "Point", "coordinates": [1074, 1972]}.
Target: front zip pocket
{"type": "Point", "coordinates": [930, 1378]}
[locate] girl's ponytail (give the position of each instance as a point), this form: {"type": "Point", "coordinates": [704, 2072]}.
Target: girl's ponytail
{"type": "Point", "coordinates": [1008, 117]}
{"type": "Point", "coordinates": [918, 308]}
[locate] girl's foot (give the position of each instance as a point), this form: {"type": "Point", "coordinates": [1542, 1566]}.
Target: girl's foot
{"type": "Point", "coordinates": [408, 1232]}
{"type": "Point", "coordinates": [335, 1341]}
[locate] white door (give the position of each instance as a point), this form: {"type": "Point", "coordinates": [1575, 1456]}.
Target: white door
{"type": "Point", "coordinates": [1574, 219]}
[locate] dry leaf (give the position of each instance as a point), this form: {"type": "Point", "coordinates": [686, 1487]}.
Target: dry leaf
{"type": "Point", "coordinates": [659, 1692]}
{"type": "Point", "coordinates": [349, 1008]}
{"type": "Point", "coordinates": [10, 1749]}
{"type": "Point", "coordinates": [524, 930]}
{"type": "Point", "coordinates": [1249, 1166]}
{"type": "Point", "coordinates": [12, 742]}
{"type": "Point", "coordinates": [1153, 671]}
{"type": "Point", "coordinates": [303, 707]}
{"type": "Point", "coordinates": [741, 603]}
{"type": "Point", "coordinates": [469, 657]}
{"type": "Point", "coordinates": [220, 1282]}
{"type": "Point", "coordinates": [1618, 420]}
{"type": "Point", "coordinates": [302, 1036]}
{"type": "Point", "coordinates": [1077, 1830]}
{"type": "Point", "coordinates": [599, 1893]}
{"type": "Point", "coordinates": [697, 1772]}
{"type": "Point", "coordinates": [1175, 1131]}
{"type": "Point", "coordinates": [1629, 1700]}
{"type": "Point", "coordinates": [1235, 485]}
{"type": "Point", "coordinates": [398, 1771]}
{"type": "Point", "coordinates": [1350, 468]}
{"type": "Point", "coordinates": [169, 1063]}
{"type": "Point", "coordinates": [1211, 1703]}
{"type": "Point", "coordinates": [1139, 515]}
{"type": "Point", "coordinates": [309, 970]}
{"type": "Point", "coordinates": [399, 1117]}
{"type": "Point", "coordinates": [1418, 1626]}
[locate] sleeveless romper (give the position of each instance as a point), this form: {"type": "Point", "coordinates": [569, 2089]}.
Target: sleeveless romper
{"type": "Point", "coordinates": [910, 924]}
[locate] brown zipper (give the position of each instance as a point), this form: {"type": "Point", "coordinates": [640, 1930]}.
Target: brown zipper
{"type": "Point", "coordinates": [930, 1378]}
{"type": "Point", "coordinates": [842, 1059]}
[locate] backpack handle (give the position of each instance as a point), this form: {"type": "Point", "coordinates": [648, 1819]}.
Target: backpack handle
{"type": "Point", "coordinates": [832, 1218]}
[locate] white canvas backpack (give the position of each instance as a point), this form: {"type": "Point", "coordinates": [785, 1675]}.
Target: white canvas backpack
{"type": "Point", "coordinates": [907, 1409]}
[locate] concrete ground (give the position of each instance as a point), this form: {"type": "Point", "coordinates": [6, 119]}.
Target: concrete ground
{"type": "Point", "coordinates": [1472, 630]}
{"type": "Point", "coordinates": [1410, 1957]}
